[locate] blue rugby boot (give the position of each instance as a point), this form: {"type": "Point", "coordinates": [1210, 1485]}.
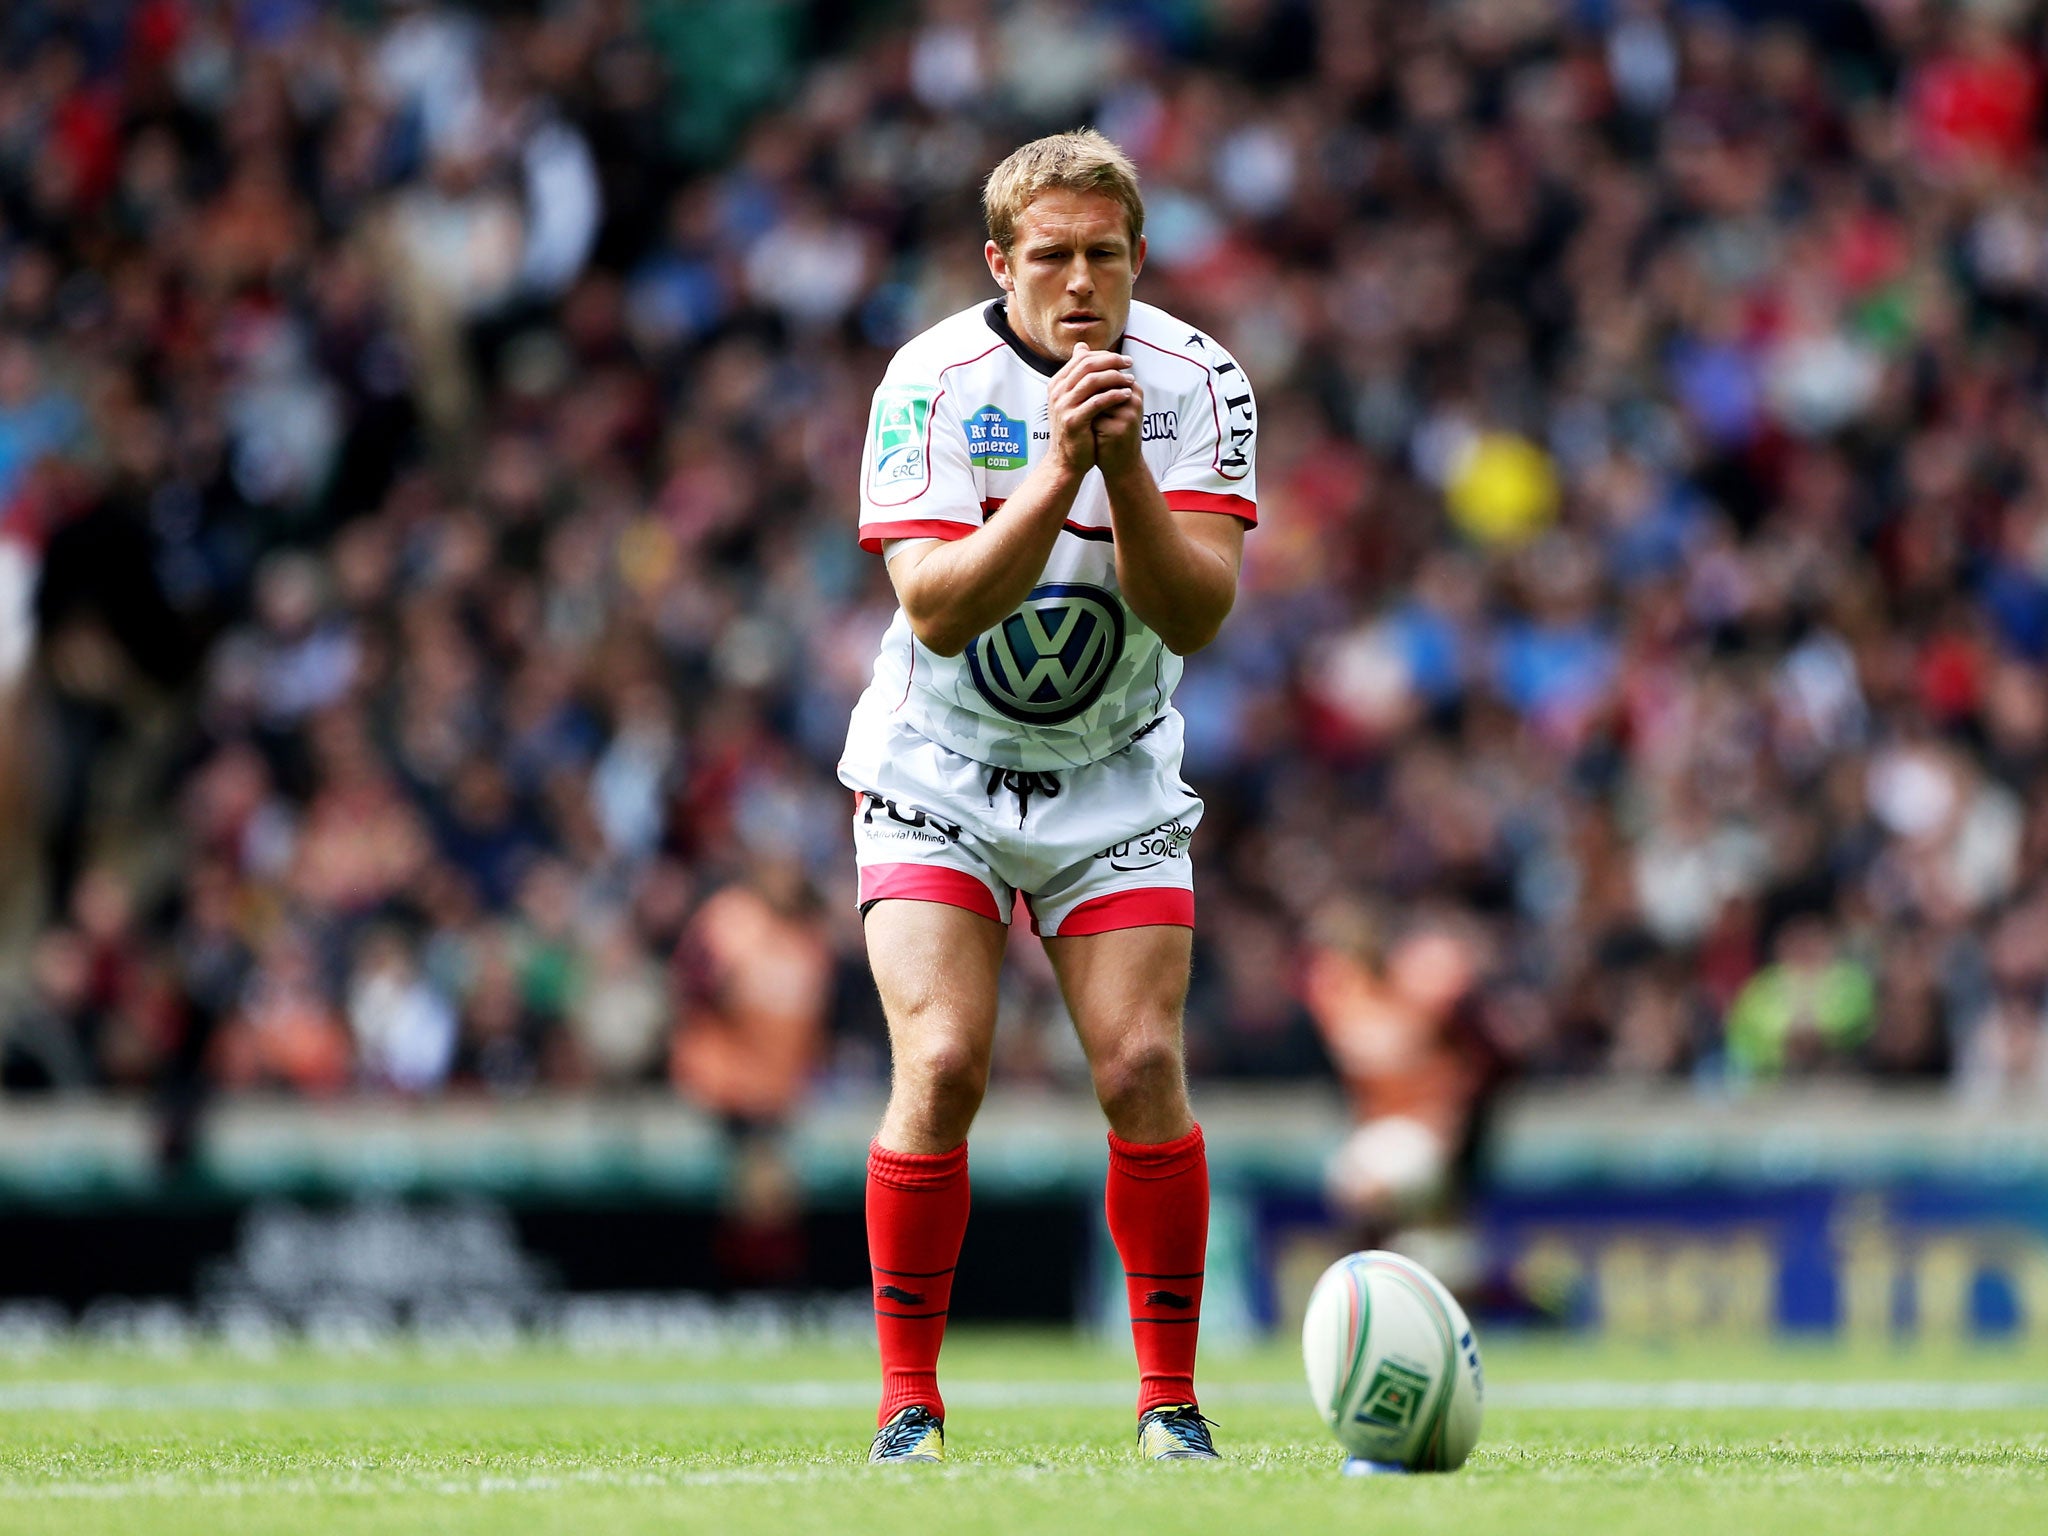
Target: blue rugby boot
{"type": "Point", "coordinates": [912, 1434]}
{"type": "Point", "coordinates": [1176, 1432]}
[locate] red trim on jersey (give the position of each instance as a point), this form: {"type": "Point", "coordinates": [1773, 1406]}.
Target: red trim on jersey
{"type": "Point", "coordinates": [1213, 501]}
{"type": "Point", "coordinates": [927, 882]}
{"type": "Point", "coordinates": [1159, 906]}
{"type": "Point", "coordinates": [1192, 362]}
{"type": "Point", "coordinates": [990, 507]}
{"type": "Point", "coordinates": [872, 534]}
{"type": "Point", "coordinates": [984, 352]}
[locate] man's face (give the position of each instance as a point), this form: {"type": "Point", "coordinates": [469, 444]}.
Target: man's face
{"type": "Point", "coordinates": [1069, 271]}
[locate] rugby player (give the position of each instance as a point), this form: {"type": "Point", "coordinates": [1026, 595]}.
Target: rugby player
{"type": "Point", "coordinates": [1060, 481]}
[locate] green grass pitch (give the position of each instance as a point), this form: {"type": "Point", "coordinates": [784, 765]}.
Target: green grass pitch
{"type": "Point", "coordinates": [1579, 1440]}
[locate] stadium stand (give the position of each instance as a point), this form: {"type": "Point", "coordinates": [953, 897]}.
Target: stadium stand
{"type": "Point", "coordinates": [429, 607]}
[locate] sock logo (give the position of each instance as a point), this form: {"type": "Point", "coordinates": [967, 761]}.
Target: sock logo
{"type": "Point", "coordinates": [1172, 1299]}
{"type": "Point", "coordinates": [897, 1293]}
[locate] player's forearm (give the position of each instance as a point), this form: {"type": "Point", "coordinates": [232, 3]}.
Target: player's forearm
{"type": "Point", "coordinates": [960, 588]}
{"type": "Point", "coordinates": [1180, 587]}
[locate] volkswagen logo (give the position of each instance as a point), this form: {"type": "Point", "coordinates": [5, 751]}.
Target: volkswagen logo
{"type": "Point", "coordinates": [1051, 659]}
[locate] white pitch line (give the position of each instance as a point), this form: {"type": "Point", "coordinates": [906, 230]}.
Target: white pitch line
{"type": "Point", "coordinates": [258, 1397]}
{"type": "Point", "coordinates": [262, 1397]}
{"type": "Point", "coordinates": [1839, 1396]}
{"type": "Point", "coordinates": [489, 1484]}
{"type": "Point", "coordinates": [301, 1487]}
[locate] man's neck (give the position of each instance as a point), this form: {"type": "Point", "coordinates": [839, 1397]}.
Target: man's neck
{"type": "Point", "coordinates": [999, 320]}
{"type": "Point", "coordinates": [1018, 331]}
{"type": "Point", "coordinates": [1003, 321]}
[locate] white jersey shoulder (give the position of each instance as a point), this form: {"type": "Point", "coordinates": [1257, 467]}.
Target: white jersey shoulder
{"type": "Point", "coordinates": [957, 422]}
{"type": "Point", "coordinates": [1221, 414]}
{"type": "Point", "coordinates": [911, 404]}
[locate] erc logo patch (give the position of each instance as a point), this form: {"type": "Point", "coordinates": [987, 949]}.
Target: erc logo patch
{"type": "Point", "coordinates": [996, 441]}
{"type": "Point", "coordinates": [896, 464]}
{"type": "Point", "coordinates": [1051, 659]}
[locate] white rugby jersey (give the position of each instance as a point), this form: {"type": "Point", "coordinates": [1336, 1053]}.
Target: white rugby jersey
{"type": "Point", "coordinates": [960, 417]}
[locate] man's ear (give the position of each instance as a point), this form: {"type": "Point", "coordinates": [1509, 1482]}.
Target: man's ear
{"type": "Point", "coordinates": [999, 267]}
{"type": "Point", "coordinates": [1138, 257]}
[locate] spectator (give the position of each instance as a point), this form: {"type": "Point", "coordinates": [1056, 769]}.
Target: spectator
{"type": "Point", "coordinates": [285, 1034]}
{"type": "Point", "coordinates": [1808, 1010]}
{"type": "Point", "coordinates": [501, 1040]}
{"type": "Point", "coordinates": [2006, 1055]}
{"type": "Point", "coordinates": [404, 1029]}
{"type": "Point", "coordinates": [50, 1033]}
{"type": "Point", "coordinates": [624, 1010]}
{"type": "Point", "coordinates": [754, 974]}
{"type": "Point", "coordinates": [1390, 1016]}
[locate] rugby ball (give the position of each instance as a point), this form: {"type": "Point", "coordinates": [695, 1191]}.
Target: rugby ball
{"type": "Point", "coordinates": [1392, 1365]}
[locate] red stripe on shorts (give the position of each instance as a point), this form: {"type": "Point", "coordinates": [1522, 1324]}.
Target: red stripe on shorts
{"type": "Point", "coordinates": [928, 882]}
{"type": "Point", "coordinates": [1162, 906]}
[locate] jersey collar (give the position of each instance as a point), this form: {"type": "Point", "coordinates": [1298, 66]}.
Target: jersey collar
{"type": "Point", "coordinates": [999, 322]}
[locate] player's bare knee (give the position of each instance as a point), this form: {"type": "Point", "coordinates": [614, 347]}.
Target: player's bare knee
{"type": "Point", "coordinates": [945, 1074]}
{"type": "Point", "coordinates": [1142, 1078]}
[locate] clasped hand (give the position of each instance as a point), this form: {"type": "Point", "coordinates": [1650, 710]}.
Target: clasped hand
{"type": "Point", "coordinates": [1096, 411]}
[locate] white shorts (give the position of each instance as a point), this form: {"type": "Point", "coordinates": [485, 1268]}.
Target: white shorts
{"type": "Point", "coordinates": [1091, 849]}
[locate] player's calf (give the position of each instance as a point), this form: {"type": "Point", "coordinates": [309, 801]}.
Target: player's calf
{"type": "Point", "coordinates": [1157, 1203]}
{"type": "Point", "coordinates": [917, 1207]}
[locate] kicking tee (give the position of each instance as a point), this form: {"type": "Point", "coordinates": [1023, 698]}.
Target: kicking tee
{"type": "Point", "coordinates": [1073, 675]}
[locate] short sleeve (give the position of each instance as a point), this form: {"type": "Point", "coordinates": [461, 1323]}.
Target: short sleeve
{"type": "Point", "coordinates": [915, 478]}
{"type": "Point", "coordinates": [1217, 467]}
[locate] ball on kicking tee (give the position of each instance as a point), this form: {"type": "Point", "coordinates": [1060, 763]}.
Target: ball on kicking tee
{"type": "Point", "coordinates": [1392, 1365]}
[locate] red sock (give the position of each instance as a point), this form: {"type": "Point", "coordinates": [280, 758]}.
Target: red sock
{"type": "Point", "coordinates": [917, 1214]}
{"type": "Point", "coordinates": [1158, 1207]}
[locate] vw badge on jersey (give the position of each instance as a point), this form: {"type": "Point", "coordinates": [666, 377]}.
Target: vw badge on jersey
{"type": "Point", "coordinates": [1051, 659]}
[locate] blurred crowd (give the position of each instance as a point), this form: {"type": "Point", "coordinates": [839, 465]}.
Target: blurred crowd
{"type": "Point", "coordinates": [429, 606]}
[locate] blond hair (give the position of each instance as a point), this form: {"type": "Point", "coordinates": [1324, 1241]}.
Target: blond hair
{"type": "Point", "coordinates": [1081, 161]}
